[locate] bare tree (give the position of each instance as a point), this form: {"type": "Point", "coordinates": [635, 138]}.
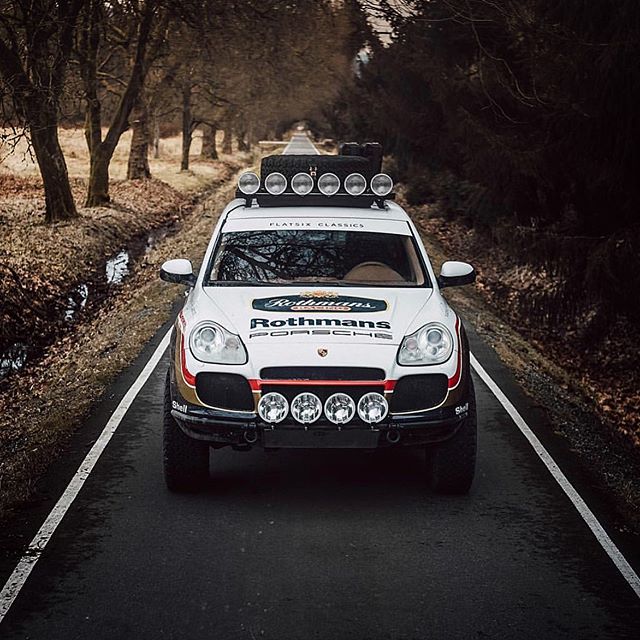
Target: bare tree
{"type": "Point", "coordinates": [113, 36]}
{"type": "Point", "coordinates": [36, 40]}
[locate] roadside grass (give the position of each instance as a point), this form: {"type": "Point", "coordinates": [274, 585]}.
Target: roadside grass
{"type": "Point", "coordinates": [19, 162]}
{"type": "Point", "coordinates": [40, 265]}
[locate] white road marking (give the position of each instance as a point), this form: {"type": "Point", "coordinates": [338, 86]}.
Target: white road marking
{"type": "Point", "coordinates": [585, 513]}
{"type": "Point", "coordinates": [35, 549]}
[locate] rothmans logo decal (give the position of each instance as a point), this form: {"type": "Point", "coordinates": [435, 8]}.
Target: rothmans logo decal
{"type": "Point", "coordinates": [319, 301]}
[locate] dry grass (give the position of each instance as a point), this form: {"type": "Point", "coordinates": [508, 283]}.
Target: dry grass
{"type": "Point", "coordinates": [19, 162]}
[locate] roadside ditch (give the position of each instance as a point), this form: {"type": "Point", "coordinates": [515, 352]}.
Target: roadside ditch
{"type": "Point", "coordinates": [86, 330]}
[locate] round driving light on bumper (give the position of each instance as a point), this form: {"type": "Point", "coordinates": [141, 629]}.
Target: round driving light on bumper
{"type": "Point", "coordinates": [275, 183]}
{"type": "Point", "coordinates": [306, 408]}
{"type": "Point", "coordinates": [329, 184]}
{"type": "Point", "coordinates": [302, 183]}
{"type": "Point", "coordinates": [273, 407]}
{"type": "Point", "coordinates": [381, 184]}
{"type": "Point", "coordinates": [249, 183]}
{"type": "Point", "coordinates": [355, 184]}
{"type": "Point", "coordinates": [339, 408]}
{"type": "Point", "coordinates": [372, 408]}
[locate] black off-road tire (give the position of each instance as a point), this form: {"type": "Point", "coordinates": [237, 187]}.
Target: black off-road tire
{"type": "Point", "coordinates": [342, 166]}
{"type": "Point", "coordinates": [186, 461]}
{"type": "Point", "coordinates": [453, 463]}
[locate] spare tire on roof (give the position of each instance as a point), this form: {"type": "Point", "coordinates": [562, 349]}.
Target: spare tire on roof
{"type": "Point", "coordinates": [342, 166]}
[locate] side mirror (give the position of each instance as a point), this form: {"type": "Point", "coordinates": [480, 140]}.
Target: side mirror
{"type": "Point", "coordinates": [178, 271]}
{"type": "Point", "coordinates": [454, 274]}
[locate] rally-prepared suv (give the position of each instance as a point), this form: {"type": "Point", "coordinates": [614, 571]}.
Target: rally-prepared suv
{"type": "Point", "coordinates": [316, 320]}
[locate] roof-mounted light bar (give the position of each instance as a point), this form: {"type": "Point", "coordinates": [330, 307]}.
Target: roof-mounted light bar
{"type": "Point", "coordinates": [328, 184]}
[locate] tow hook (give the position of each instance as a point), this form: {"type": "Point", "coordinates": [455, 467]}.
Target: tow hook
{"type": "Point", "coordinates": [251, 435]}
{"type": "Point", "coordinates": [393, 436]}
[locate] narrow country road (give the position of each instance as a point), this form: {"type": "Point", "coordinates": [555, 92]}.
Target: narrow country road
{"type": "Point", "coordinates": [317, 544]}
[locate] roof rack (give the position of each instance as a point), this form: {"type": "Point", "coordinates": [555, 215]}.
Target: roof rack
{"type": "Point", "coordinates": [350, 179]}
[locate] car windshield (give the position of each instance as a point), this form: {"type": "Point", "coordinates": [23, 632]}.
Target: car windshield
{"type": "Point", "coordinates": [346, 258]}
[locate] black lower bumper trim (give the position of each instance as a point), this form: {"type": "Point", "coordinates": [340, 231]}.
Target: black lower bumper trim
{"type": "Point", "coordinates": [242, 432]}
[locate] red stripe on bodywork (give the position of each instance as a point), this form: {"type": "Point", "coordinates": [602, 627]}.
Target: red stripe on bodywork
{"type": "Point", "coordinates": [189, 378]}
{"type": "Point", "coordinates": [389, 385]}
{"type": "Point", "coordinates": [453, 382]}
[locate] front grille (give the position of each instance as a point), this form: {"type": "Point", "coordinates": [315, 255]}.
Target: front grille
{"type": "Point", "coordinates": [419, 392]}
{"type": "Point", "coordinates": [321, 373]}
{"type": "Point", "coordinates": [323, 392]}
{"type": "Point", "coordinates": [225, 391]}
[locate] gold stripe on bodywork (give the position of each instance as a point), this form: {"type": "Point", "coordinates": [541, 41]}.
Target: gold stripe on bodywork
{"type": "Point", "coordinates": [186, 391]}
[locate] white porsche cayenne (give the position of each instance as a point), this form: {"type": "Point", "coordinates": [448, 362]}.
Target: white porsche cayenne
{"type": "Point", "coordinates": [316, 321]}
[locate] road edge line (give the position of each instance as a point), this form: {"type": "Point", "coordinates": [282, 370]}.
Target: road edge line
{"type": "Point", "coordinates": [586, 514]}
{"type": "Point", "coordinates": [30, 557]}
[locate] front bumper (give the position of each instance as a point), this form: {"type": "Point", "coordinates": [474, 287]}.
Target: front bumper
{"type": "Point", "coordinates": [224, 428]}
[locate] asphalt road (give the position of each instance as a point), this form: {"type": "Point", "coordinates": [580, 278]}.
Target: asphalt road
{"type": "Point", "coordinates": [300, 144]}
{"type": "Point", "coordinates": [318, 544]}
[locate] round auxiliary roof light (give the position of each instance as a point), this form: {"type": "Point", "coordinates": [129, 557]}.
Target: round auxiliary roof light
{"type": "Point", "coordinates": [275, 183]}
{"type": "Point", "coordinates": [273, 407]}
{"type": "Point", "coordinates": [355, 184]}
{"type": "Point", "coordinates": [372, 408]}
{"type": "Point", "coordinates": [329, 183]}
{"type": "Point", "coordinates": [249, 183]}
{"type": "Point", "coordinates": [339, 408]}
{"type": "Point", "coordinates": [381, 184]}
{"type": "Point", "coordinates": [302, 183]}
{"type": "Point", "coordinates": [306, 408]}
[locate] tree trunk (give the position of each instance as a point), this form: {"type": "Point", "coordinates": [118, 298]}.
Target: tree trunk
{"type": "Point", "coordinates": [98, 193]}
{"type": "Point", "coordinates": [156, 137]}
{"type": "Point", "coordinates": [209, 150]}
{"type": "Point", "coordinates": [138, 167]}
{"type": "Point", "coordinates": [226, 140]}
{"type": "Point", "coordinates": [242, 143]}
{"type": "Point", "coordinates": [187, 129]}
{"type": "Point", "coordinates": [59, 204]}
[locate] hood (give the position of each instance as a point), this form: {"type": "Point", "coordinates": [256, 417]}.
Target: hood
{"type": "Point", "coordinates": [339, 315]}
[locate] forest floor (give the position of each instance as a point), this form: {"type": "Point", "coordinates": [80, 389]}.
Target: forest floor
{"type": "Point", "coordinates": [591, 396]}
{"type": "Point", "coordinates": [70, 289]}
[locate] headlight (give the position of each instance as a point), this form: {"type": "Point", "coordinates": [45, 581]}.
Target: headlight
{"type": "Point", "coordinates": [249, 183]}
{"type": "Point", "coordinates": [372, 408]}
{"type": "Point", "coordinates": [306, 408]}
{"type": "Point", "coordinates": [339, 408]}
{"type": "Point", "coordinates": [273, 407]}
{"type": "Point", "coordinates": [210, 342]}
{"type": "Point", "coordinates": [381, 184]}
{"type": "Point", "coordinates": [355, 184]}
{"type": "Point", "coordinates": [431, 344]}
{"type": "Point", "coordinates": [275, 183]}
{"type": "Point", "coordinates": [302, 183]}
{"type": "Point", "coordinates": [328, 184]}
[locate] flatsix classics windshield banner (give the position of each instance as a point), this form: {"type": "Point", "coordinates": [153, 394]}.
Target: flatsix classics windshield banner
{"type": "Point", "coordinates": [319, 302]}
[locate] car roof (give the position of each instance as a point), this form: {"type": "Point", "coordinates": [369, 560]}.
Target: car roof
{"type": "Point", "coordinates": [392, 211]}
